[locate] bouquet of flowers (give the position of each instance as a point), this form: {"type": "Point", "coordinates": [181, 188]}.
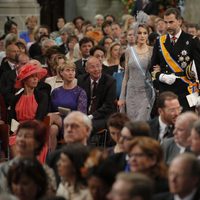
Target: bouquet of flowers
{"type": "Point", "coordinates": [128, 5]}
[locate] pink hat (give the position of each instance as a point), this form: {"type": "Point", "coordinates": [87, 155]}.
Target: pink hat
{"type": "Point", "coordinates": [28, 70]}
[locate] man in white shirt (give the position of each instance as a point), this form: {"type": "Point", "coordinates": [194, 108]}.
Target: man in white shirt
{"type": "Point", "coordinates": [169, 109]}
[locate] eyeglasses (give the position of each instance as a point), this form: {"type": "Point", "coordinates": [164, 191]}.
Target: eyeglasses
{"type": "Point", "coordinates": [136, 155]}
{"type": "Point", "coordinates": [127, 138]}
{"type": "Point", "coordinates": [72, 125]}
{"type": "Point", "coordinates": [173, 110]}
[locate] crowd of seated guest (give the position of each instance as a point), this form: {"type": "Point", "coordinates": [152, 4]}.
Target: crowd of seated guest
{"type": "Point", "coordinates": [63, 89]}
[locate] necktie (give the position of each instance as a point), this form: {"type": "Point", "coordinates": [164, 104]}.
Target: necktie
{"type": "Point", "coordinates": [84, 62]}
{"type": "Point", "coordinates": [173, 40]}
{"type": "Point", "coordinates": [168, 132]}
{"type": "Point", "coordinates": [92, 107]}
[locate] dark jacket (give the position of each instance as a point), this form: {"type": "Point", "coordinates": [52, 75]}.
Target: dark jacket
{"type": "Point", "coordinates": [185, 50]}
{"type": "Point", "coordinates": [106, 95]}
{"type": "Point", "coordinates": [43, 104]}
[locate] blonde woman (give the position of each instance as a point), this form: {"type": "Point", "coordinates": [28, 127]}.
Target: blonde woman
{"type": "Point", "coordinates": [112, 62]}
{"type": "Point", "coordinates": [69, 95]}
{"type": "Point", "coordinates": [56, 81]}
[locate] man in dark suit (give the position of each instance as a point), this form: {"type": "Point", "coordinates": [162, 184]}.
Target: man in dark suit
{"type": "Point", "coordinates": [183, 179]}
{"type": "Point", "coordinates": [172, 58]}
{"type": "Point", "coordinates": [101, 93]}
{"type": "Point", "coordinates": [85, 45]}
{"type": "Point", "coordinates": [168, 109]}
{"type": "Point", "coordinates": [10, 61]}
{"type": "Point", "coordinates": [8, 79]}
{"type": "Point", "coordinates": [180, 142]}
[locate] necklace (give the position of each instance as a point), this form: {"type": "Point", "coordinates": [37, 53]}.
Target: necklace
{"type": "Point", "coordinates": [142, 51]}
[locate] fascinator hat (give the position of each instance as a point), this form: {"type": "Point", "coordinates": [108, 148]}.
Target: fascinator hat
{"type": "Point", "coordinates": [95, 35]}
{"type": "Point", "coordinates": [26, 71]}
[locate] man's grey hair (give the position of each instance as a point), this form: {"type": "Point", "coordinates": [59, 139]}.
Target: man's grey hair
{"type": "Point", "coordinates": [86, 120]}
{"type": "Point", "coordinates": [98, 16]}
{"type": "Point", "coordinates": [10, 39]}
{"type": "Point", "coordinates": [189, 117]}
{"type": "Point", "coordinates": [46, 41]}
{"type": "Point", "coordinates": [90, 57]}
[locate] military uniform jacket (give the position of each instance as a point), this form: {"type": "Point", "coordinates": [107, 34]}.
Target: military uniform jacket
{"type": "Point", "coordinates": [185, 50]}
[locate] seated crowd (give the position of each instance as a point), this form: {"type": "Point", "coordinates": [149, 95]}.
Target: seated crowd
{"type": "Point", "coordinates": [84, 125]}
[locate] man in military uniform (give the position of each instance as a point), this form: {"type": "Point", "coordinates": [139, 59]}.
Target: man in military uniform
{"type": "Point", "coordinates": [172, 60]}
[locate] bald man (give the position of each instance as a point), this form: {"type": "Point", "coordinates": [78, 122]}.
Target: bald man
{"type": "Point", "coordinates": [101, 93]}
{"type": "Point", "coordinates": [180, 142]}
{"type": "Point", "coordinates": [77, 128]}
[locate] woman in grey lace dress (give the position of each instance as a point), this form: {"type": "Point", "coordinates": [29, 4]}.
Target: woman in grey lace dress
{"type": "Point", "coordinates": [137, 95]}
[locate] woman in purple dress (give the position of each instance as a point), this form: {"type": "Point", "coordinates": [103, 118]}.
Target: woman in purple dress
{"type": "Point", "coordinates": [68, 96]}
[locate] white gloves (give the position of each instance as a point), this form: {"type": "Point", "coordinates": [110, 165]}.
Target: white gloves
{"type": "Point", "coordinates": [167, 78]}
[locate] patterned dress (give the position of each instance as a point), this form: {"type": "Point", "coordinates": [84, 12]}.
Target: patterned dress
{"type": "Point", "coordinates": [137, 89]}
{"type": "Point", "coordinates": [74, 99]}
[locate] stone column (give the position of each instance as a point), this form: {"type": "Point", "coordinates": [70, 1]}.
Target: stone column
{"type": "Point", "coordinates": [18, 9]}
{"type": "Point", "coordinates": [89, 8]}
{"type": "Point", "coordinates": [50, 11]}
{"type": "Point", "coordinates": [191, 12]}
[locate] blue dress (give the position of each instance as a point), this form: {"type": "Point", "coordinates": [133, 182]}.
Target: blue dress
{"type": "Point", "coordinates": [25, 36]}
{"type": "Point", "coordinates": [74, 99]}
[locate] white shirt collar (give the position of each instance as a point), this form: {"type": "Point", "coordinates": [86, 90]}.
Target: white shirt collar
{"type": "Point", "coordinates": [182, 149]}
{"type": "Point", "coordinates": [177, 35]}
{"type": "Point", "coordinates": [120, 69]}
{"type": "Point", "coordinates": [12, 65]}
{"type": "Point", "coordinates": [162, 129]}
{"type": "Point", "coordinates": [188, 197]}
{"type": "Point", "coordinates": [91, 81]}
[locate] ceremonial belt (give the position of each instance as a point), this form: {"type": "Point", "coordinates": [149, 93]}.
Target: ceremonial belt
{"type": "Point", "coordinates": [174, 66]}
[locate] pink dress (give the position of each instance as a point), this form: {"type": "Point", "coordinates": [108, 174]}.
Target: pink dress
{"type": "Point", "coordinates": [26, 109]}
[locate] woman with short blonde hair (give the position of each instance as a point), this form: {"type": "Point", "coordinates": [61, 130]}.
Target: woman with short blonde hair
{"type": "Point", "coordinates": [69, 96]}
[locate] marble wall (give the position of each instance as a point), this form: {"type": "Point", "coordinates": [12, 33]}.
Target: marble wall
{"type": "Point", "coordinates": [89, 8]}
{"type": "Point", "coordinates": [191, 12]}
{"type": "Point", "coordinates": [19, 9]}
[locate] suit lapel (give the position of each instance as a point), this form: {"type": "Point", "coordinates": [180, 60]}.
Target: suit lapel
{"type": "Point", "coordinates": [176, 149]}
{"type": "Point", "coordinates": [170, 48]}
{"type": "Point", "coordinates": [100, 88]}
{"type": "Point", "coordinates": [168, 44]}
{"type": "Point", "coordinates": [156, 128]}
